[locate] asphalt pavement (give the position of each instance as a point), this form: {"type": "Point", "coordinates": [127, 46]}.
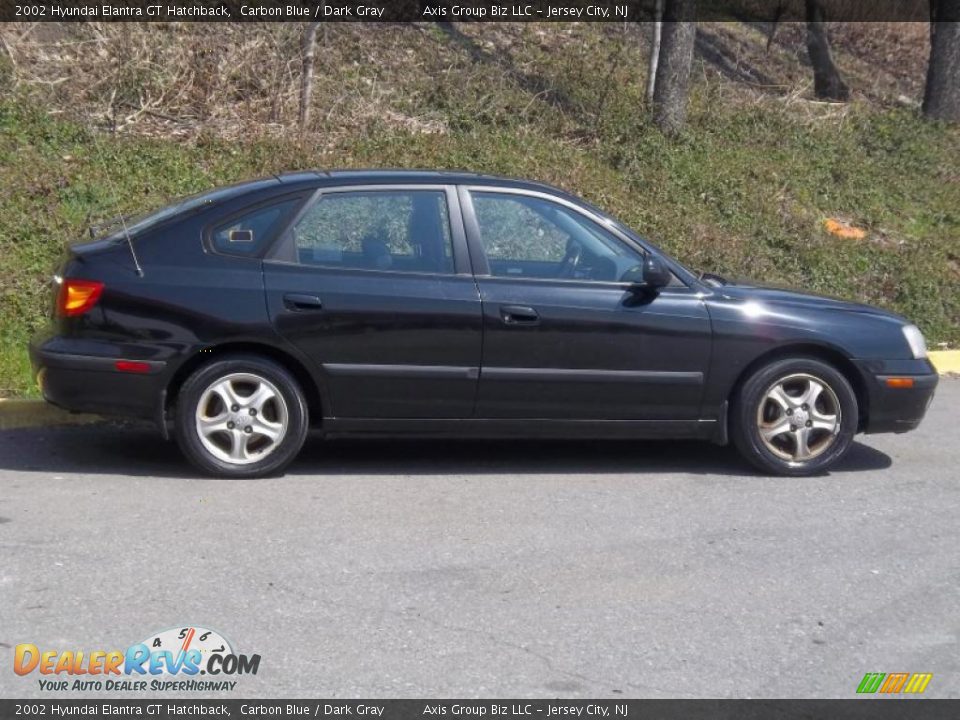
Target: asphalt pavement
{"type": "Point", "coordinates": [496, 569]}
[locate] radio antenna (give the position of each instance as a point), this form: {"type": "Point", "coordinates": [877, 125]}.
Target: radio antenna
{"type": "Point", "coordinates": [133, 253]}
{"type": "Point", "coordinates": [113, 194]}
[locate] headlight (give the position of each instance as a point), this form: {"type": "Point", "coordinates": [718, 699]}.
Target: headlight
{"type": "Point", "coordinates": [918, 346]}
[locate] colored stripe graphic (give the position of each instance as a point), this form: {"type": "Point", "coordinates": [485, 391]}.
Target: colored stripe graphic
{"type": "Point", "coordinates": [918, 682]}
{"type": "Point", "coordinates": [894, 683]}
{"type": "Point", "coordinates": [871, 682]}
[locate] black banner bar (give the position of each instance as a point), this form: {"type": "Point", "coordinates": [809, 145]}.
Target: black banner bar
{"type": "Point", "coordinates": [443, 10]}
{"type": "Point", "coordinates": [874, 708]}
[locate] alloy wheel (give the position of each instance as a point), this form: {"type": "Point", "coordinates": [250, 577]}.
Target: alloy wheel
{"type": "Point", "coordinates": [799, 417]}
{"type": "Point", "coordinates": [241, 418]}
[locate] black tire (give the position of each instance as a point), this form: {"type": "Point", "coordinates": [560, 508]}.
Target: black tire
{"type": "Point", "coordinates": [751, 406]}
{"type": "Point", "coordinates": [285, 408]}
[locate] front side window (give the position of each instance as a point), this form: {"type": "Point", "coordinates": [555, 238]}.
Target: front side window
{"type": "Point", "coordinates": [529, 237]}
{"type": "Point", "coordinates": [248, 233]}
{"type": "Point", "coordinates": [398, 230]}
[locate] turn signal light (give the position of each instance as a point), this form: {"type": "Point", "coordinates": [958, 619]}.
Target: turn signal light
{"type": "Point", "coordinates": [900, 382]}
{"type": "Point", "coordinates": [77, 296]}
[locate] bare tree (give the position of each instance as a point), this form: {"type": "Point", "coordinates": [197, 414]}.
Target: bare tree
{"type": "Point", "coordinates": [941, 99]}
{"type": "Point", "coordinates": [657, 30]}
{"type": "Point", "coordinates": [309, 46]}
{"type": "Point", "coordinates": [827, 83]}
{"type": "Point", "coordinates": [673, 70]}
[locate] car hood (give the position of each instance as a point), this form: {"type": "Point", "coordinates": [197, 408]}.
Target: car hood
{"type": "Point", "coordinates": [781, 297]}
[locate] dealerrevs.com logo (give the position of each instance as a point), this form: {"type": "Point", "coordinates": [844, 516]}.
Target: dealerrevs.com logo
{"type": "Point", "coordinates": [178, 659]}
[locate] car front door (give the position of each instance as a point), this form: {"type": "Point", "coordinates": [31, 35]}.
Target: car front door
{"type": "Point", "coordinates": [373, 285]}
{"type": "Point", "coordinates": [564, 337]}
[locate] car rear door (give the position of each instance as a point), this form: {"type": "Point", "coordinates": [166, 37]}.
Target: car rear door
{"type": "Point", "coordinates": [563, 337]}
{"type": "Point", "coordinates": [373, 284]}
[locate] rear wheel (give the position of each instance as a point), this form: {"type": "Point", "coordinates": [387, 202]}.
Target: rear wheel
{"type": "Point", "coordinates": [241, 416]}
{"type": "Point", "coordinates": [795, 417]}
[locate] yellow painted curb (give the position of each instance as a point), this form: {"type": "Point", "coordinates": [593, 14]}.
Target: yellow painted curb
{"type": "Point", "coordinates": [37, 413]}
{"type": "Point", "coordinates": [945, 361]}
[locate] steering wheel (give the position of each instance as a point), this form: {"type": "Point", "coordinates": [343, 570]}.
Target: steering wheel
{"type": "Point", "coordinates": [568, 266]}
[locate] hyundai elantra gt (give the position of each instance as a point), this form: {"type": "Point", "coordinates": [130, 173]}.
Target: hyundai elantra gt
{"type": "Point", "coordinates": [453, 304]}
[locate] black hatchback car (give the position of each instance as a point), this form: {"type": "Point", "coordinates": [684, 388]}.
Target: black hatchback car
{"type": "Point", "coordinates": [453, 304]}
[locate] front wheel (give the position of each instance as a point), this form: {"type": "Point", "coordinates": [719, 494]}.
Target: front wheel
{"type": "Point", "coordinates": [794, 417]}
{"type": "Point", "coordinates": [241, 416]}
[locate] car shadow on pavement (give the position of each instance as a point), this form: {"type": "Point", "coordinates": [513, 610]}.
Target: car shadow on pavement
{"type": "Point", "coordinates": [536, 457]}
{"type": "Point", "coordinates": [138, 450]}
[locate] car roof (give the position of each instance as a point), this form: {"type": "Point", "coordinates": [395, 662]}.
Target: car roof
{"type": "Point", "coordinates": [374, 176]}
{"type": "Point", "coordinates": [308, 180]}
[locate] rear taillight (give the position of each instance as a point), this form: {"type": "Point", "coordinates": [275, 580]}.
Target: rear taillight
{"type": "Point", "coordinates": [77, 296]}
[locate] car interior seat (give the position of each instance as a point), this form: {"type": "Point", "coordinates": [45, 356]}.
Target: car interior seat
{"type": "Point", "coordinates": [376, 254]}
{"type": "Point", "coordinates": [427, 236]}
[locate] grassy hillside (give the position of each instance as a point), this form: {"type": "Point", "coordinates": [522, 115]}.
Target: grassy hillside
{"type": "Point", "coordinates": [744, 192]}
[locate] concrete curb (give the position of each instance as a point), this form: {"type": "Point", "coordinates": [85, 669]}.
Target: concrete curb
{"type": "Point", "coordinates": [947, 362]}
{"type": "Point", "coordinates": [15, 413]}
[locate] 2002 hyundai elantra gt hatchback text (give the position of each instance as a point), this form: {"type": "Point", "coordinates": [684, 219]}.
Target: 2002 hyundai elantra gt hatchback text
{"type": "Point", "coordinates": [403, 302]}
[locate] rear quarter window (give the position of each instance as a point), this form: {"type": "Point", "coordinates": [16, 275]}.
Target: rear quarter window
{"type": "Point", "coordinates": [248, 233]}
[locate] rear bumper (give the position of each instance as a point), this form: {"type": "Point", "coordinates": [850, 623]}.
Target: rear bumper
{"type": "Point", "coordinates": [94, 384]}
{"type": "Point", "coordinates": [898, 409]}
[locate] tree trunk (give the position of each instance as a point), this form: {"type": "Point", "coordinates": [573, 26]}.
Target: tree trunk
{"type": "Point", "coordinates": [654, 52]}
{"type": "Point", "coordinates": [941, 100]}
{"type": "Point", "coordinates": [673, 70]}
{"type": "Point", "coordinates": [827, 83]}
{"type": "Point", "coordinates": [306, 76]}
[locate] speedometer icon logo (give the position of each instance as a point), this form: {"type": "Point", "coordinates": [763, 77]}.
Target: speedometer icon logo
{"type": "Point", "coordinates": [181, 640]}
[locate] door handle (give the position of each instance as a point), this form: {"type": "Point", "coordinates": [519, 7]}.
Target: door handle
{"type": "Point", "coordinates": [519, 315]}
{"type": "Point", "coordinates": [298, 301]}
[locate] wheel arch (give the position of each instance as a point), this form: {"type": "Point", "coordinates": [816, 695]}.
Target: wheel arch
{"type": "Point", "coordinates": [206, 355]}
{"type": "Point", "coordinates": [825, 353]}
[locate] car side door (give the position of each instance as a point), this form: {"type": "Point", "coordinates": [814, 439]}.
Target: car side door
{"type": "Point", "coordinates": [565, 337]}
{"type": "Point", "coordinates": [373, 284]}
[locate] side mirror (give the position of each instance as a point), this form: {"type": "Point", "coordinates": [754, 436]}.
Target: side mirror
{"type": "Point", "coordinates": [655, 273]}
{"type": "Point", "coordinates": [650, 275]}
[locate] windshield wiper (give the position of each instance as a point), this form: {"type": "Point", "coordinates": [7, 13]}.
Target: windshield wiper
{"type": "Point", "coordinates": [713, 279]}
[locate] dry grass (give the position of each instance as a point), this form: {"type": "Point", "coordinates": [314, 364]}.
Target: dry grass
{"type": "Point", "coordinates": [187, 80]}
{"type": "Point", "coordinates": [162, 78]}
{"type": "Point", "coordinates": [227, 80]}
{"type": "Point", "coordinates": [884, 63]}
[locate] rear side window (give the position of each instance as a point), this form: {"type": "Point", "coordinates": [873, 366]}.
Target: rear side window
{"type": "Point", "coordinates": [249, 233]}
{"type": "Point", "coordinates": [397, 230]}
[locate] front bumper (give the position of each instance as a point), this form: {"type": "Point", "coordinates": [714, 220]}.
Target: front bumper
{"type": "Point", "coordinates": [897, 409]}
{"type": "Point", "coordinates": [83, 382]}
